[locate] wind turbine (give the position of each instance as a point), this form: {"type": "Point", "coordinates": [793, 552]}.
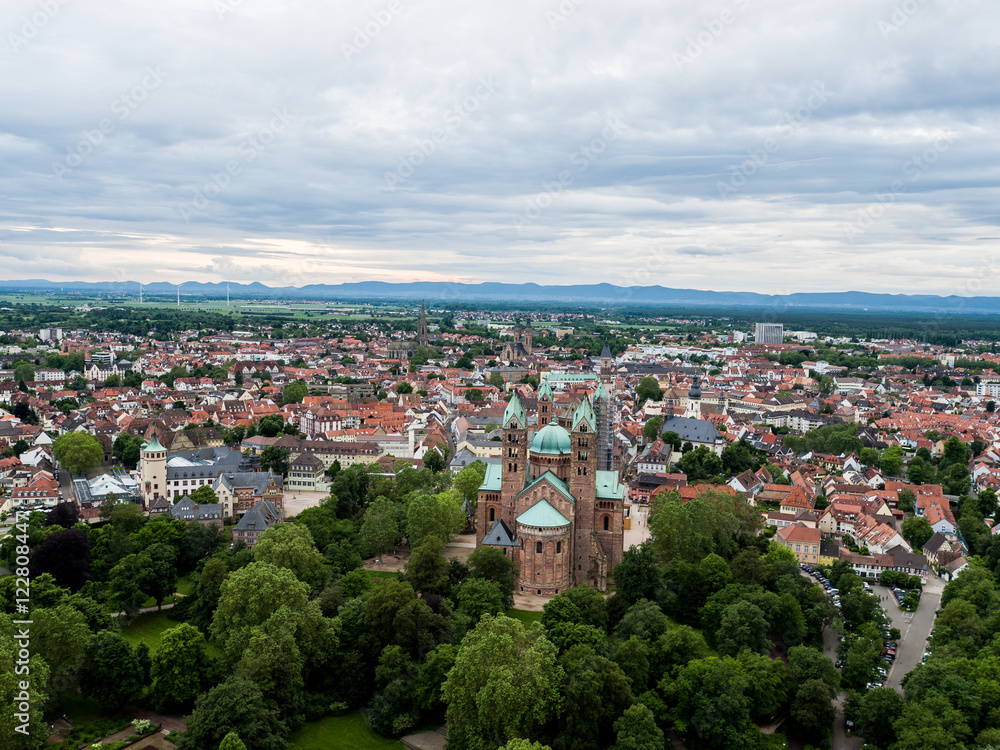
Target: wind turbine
{"type": "Point", "coordinates": [227, 294]}
{"type": "Point", "coordinates": [179, 294]}
{"type": "Point", "coordinates": [140, 294]}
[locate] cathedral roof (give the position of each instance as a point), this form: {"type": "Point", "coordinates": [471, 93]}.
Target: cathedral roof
{"type": "Point", "coordinates": [600, 394]}
{"type": "Point", "coordinates": [493, 480]}
{"type": "Point", "coordinates": [515, 410]}
{"type": "Point", "coordinates": [553, 480]}
{"type": "Point", "coordinates": [585, 413]}
{"type": "Point", "coordinates": [499, 535]}
{"type": "Point", "coordinates": [542, 515]}
{"type": "Point", "coordinates": [606, 351]}
{"type": "Point", "coordinates": [545, 391]}
{"type": "Point", "coordinates": [551, 440]}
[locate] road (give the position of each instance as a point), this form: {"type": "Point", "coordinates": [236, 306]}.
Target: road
{"type": "Point", "coordinates": [914, 628]}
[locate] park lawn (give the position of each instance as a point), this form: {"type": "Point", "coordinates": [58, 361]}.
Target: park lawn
{"type": "Point", "coordinates": [149, 629]}
{"type": "Point", "coordinates": [185, 586]}
{"type": "Point", "coordinates": [524, 616]}
{"type": "Point", "coordinates": [348, 732]}
{"type": "Point", "coordinates": [79, 709]}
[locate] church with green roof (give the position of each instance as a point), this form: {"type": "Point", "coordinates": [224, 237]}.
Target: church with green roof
{"type": "Point", "coordinates": [548, 505]}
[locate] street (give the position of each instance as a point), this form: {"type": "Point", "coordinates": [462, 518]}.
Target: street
{"type": "Point", "coordinates": [914, 628]}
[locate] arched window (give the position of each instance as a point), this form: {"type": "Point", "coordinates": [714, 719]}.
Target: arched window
{"type": "Point", "coordinates": [538, 548]}
{"type": "Point", "coordinates": [607, 522]}
{"type": "Point", "coordinates": [558, 548]}
{"type": "Point", "coordinates": [493, 514]}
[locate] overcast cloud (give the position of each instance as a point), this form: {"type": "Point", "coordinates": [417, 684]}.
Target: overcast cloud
{"type": "Point", "coordinates": [731, 145]}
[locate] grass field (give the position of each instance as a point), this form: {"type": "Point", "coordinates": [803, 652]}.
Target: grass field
{"type": "Point", "coordinates": [524, 616]}
{"type": "Point", "coordinates": [149, 629]}
{"type": "Point", "coordinates": [384, 573]}
{"type": "Point", "coordinates": [79, 709]}
{"type": "Point", "coordinates": [348, 732]}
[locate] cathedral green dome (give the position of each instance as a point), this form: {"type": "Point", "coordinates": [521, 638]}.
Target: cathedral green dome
{"type": "Point", "coordinates": [551, 440]}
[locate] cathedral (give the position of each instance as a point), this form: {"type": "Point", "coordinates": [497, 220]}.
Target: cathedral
{"type": "Point", "coordinates": [520, 348]}
{"type": "Point", "coordinates": [548, 505]}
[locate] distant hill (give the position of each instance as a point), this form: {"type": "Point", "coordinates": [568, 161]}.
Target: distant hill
{"type": "Point", "coordinates": [596, 294]}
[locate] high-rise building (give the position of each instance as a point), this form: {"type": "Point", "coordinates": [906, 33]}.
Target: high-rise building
{"type": "Point", "coordinates": [769, 333]}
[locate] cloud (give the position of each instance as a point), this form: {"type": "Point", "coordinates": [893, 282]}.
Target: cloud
{"type": "Point", "coordinates": [752, 138]}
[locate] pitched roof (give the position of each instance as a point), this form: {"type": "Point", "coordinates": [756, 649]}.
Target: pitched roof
{"type": "Point", "coordinates": [542, 515]}
{"type": "Point", "coordinates": [499, 535]}
{"type": "Point", "coordinates": [553, 480]}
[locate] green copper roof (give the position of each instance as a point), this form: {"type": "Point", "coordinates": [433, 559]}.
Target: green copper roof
{"type": "Point", "coordinates": [545, 390]}
{"type": "Point", "coordinates": [585, 412]}
{"type": "Point", "coordinates": [516, 411]}
{"type": "Point", "coordinates": [542, 515]}
{"type": "Point", "coordinates": [492, 480]}
{"type": "Point", "coordinates": [153, 445]}
{"type": "Point", "coordinates": [600, 393]}
{"type": "Point", "coordinates": [608, 485]}
{"type": "Point", "coordinates": [551, 440]}
{"type": "Point", "coordinates": [553, 480]}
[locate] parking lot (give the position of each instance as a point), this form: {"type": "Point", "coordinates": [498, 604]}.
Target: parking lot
{"type": "Point", "coordinates": [914, 628]}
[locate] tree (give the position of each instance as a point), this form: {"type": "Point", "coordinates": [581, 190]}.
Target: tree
{"type": "Point", "coordinates": [204, 495]}
{"type": "Point", "coordinates": [427, 569]}
{"type": "Point", "coordinates": [714, 521]}
{"type": "Point", "coordinates": [290, 546]}
{"type": "Point", "coordinates": [497, 381]}
{"type": "Point", "coordinates": [248, 597]}
{"type": "Point", "coordinates": [477, 597]}
{"type": "Point", "coordinates": [907, 500]}
{"type": "Point", "coordinates": [700, 463]}
{"type": "Point", "coordinates": [111, 674]}
{"type": "Point", "coordinates": [651, 430]}
{"type": "Point", "coordinates": [381, 527]}
{"type": "Point", "coordinates": [806, 663]}
{"type": "Point", "coordinates": [473, 395]}
{"type": "Point", "coordinates": [271, 425]}
{"type": "Point", "coordinates": [891, 462]}
{"type": "Point", "coordinates": [636, 730]}
{"type": "Point", "coordinates": [65, 555]}
{"type": "Point", "coordinates": [24, 372]}
{"type": "Point", "coordinates": [180, 668]}
{"type": "Point", "coordinates": [77, 452]}
{"type": "Point", "coordinates": [232, 741]}
{"type": "Point", "coordinates": [813, 713]}
{"type": "Point", "coordinates": [276, 459]}
{"type": "Point", "coordinates": [917, 530]}
{"type": "Point", "coordinates": [741, 456]}
{"type": "Point", "coordinates": [636, 576]}
{"type": "Point", "coordinates": [437, 515]}
{"type": "Point", "coordinates": [991, 407]}
{"type": "Point", "coordinates": [595, 693]}
{"type": "Point", "coordinates": [404, 387]}
{"type": "Point", "coordinates": [236, 706]}
{"type": "Point", "coordinates": [504, 685]}
{"type": "Point", "coordinates": [434, 461]}
{"type": "Point", "coordinates": [743, 627]}
{"type": "Point", "coordinates": [876, 713]}
{"type": "Point", "coordinates": [129, 583]}
{"type": "Point", "coordinates": [468, 480]}
{"type": "Point", "coordinates": [672, 439]}
{"type": "Point", "coordinates": [60, 636]}
{"type": "Point", "coordinates": [294, 393]}
{"type": "Point", "coordinates": [648, 388]}
{"type": "Point", "coordinates": [491, 564]}
{"type": "Point", "coordinates": [12, 690]}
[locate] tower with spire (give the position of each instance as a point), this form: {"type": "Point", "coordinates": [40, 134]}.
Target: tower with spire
{"type": "Point", "coordinates": [422, 326]}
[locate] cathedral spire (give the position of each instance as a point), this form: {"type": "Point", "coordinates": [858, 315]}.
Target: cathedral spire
{"type": "Point", "coordinates": [422, 326]}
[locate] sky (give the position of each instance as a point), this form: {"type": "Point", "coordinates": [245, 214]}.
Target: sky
{"type": "Point", "coordinates": [746, 145]}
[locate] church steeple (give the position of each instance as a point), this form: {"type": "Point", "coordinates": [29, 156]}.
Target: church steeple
{"type": "Point", "coordinates": [422, 326]}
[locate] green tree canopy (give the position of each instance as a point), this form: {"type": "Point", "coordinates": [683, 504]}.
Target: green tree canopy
{"type": "Point", "coordinates": [77, 452]}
